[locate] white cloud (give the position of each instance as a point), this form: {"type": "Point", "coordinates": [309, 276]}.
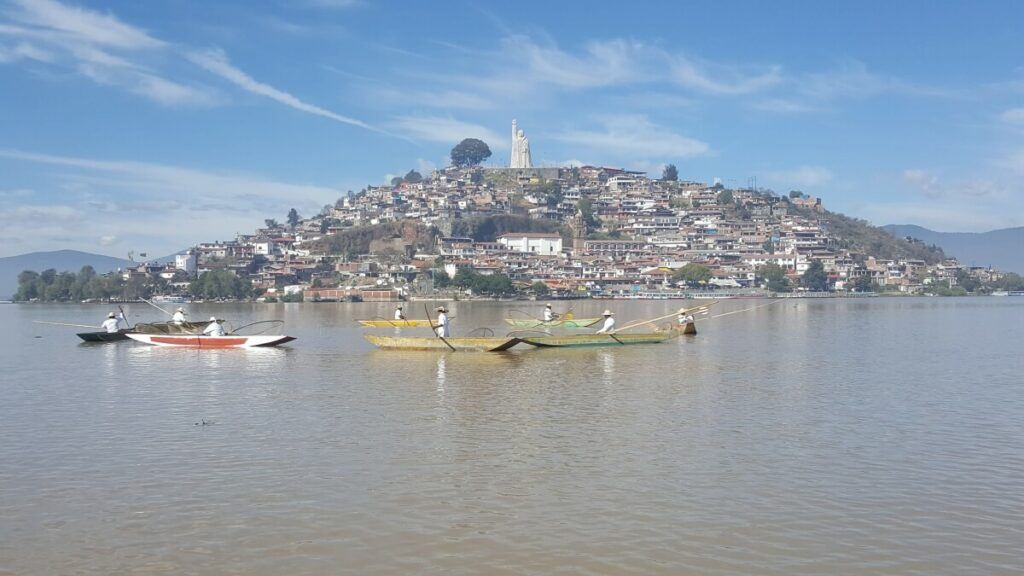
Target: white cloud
{"type": "Point", "coordinates": [801, 177]}
{"type": "Point", "coordinates": [98, 46]}
{"type": "Point", "coordinates": [425, 167]}
{"type": "Point", "coordinates": [107, 240]}
{"type": "Point", "coordinates": [446, 130]}
{"type": "Point", "coordinates": [853, 80]}
{"type": "Point", "coordinates": [635, 137]}
{"type": "Point", "coordinates": [1014, 116]}
{"type": "Point", "coordinates": [925, 182]}
{"type": "Point", "coordinates": [721, 79]}
{"type": "Point", "coordinates": [216, 62]}
{"type": "Point", "coordinates": [783, 106]}
{"type": "Point", "coordinates": [154, 207]}
{"type": "Point", "coordinates": [332, 4]}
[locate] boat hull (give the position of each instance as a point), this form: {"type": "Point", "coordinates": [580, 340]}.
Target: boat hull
{"type": "Point", "coordinates": [459, 344]}
{"type": "Point", "coordinates": [559, 323]}
{"type": "Point", "coordinates": [119, 336]}
{"type": "Point", "coordinates": [200, 341]}
{"type": "Point", "coordinates": [582, 340]}
{"type": "Point", "coordinates": [422, 323]}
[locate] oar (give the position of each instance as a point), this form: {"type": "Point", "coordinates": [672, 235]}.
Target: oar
{"type": "Point", "coordinates": [157, 307]}
{"type": "Point", "coordinates": [125, 316]}
{"type": "Point", "coordinates": [65, 324]}
{"type": "Point", "coordinates": [685, 311]}
{"type": "Point", "coordinates": [776, 301]}
{"type": "Point", "coordinates": [426, 309]}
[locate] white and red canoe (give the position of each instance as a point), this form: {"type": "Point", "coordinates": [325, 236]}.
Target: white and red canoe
{"type": "Point", "coordinates": [202, 341]}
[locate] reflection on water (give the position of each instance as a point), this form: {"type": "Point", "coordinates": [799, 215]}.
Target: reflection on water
{"type": "Point", "coordinates": [838, 436]}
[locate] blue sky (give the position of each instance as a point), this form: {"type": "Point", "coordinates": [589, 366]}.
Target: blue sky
{"type": "Point", "coordinates": [150, 126]}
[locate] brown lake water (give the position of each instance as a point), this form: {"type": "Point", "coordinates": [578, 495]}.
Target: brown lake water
{"type": "Point", "coordinates": [841, 436]}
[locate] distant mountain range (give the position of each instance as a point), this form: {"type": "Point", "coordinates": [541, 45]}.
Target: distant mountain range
{"type": "Point", "coordinates": [59, 260]}
{"type": "Point", "coordinates": [1001, 249]}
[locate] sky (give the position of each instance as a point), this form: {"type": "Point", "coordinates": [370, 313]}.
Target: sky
{"type": "Point", "coordinates": [151, 126]}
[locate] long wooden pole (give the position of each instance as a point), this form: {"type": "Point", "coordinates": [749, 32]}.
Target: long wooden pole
{"type": "Point", "coordinates": [65, 324]}
{"type": "Point", "coordinates": [426, 309]}
{"type": "Point", "coordinates": [157, 307]}
{"type": "Point", "coordinates": [652, 320]}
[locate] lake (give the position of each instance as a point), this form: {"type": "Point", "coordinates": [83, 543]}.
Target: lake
{"type": "Point", "coordinates": [825, 436]}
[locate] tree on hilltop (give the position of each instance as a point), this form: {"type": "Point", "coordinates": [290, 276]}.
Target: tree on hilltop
{"type": "Point", "coordinates": [294, 218]}
{"type": "Point", "coordinates": [396, 181]}
{"type": "Point", "coordinates": [413, 177]}
{"type": "Point", "coordinates": [670, 173]}
{"type": "Point", "coordinates": [470, 152]}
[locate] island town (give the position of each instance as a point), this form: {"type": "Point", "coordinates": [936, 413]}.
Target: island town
{"type": "Point", "coordinates": [473, 231]}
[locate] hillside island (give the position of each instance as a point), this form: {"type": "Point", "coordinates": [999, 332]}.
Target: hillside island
{"type": "Point", "coordinates": [468, 231]}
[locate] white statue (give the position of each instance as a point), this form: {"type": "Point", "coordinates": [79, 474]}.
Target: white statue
{"type": "Point", "coordinates": [520, 149]}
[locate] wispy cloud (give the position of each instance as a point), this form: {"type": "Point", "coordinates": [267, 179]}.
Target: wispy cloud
{"type": "Point", "coordinates": [98, 46]}
{"type": "Point", "coordinates": [216, 62]}
{"type": "Point", "coordinates": [446, 130]}
{"type": "Point", "coordinates": [1013, 116]}
{"type": "Point", "coordinates": [853, 79]}
{"type": "Point", "coordinates": [198, 203]}
{"type": "Point", "coordinates": [722, 79]}
{"type": "Point", "coordinates": [636, 137]}
{"type": "Point", "coordinates": [807, 177]}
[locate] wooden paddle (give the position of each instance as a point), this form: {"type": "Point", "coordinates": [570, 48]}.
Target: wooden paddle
{"type": "Point", "coordinates": [652, 320]}
{"type": "Point", "coordinates": [66, 324]}
{"type": "Point", "coordinates": [426, 309]}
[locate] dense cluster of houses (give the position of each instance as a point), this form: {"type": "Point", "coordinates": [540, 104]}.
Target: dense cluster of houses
{"type": "Point", "coordinates": [614, 233]}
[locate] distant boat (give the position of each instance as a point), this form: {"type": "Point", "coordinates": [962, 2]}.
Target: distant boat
{"type": "Point", "coordinates": [169, 299]}
{"type": "Point", "coordinates": [119, 336]}
{"type": "Point", "coordinates": [201, 341]}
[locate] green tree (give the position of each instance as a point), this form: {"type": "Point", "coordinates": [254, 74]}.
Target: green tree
{"type": "Point", "coordinates": [470, 152]}
{"type": "Point", "coordinates": [220, 283]}
{"type": "Point", "coordinates": [864, 284]}
{"type": "Point", "coordinates": [293, 218]}
{"type": "Point", "coordinates": [774, 277]}
{"type": "Point", "coordinates": [815, 278]}
{"type": "Point", "coordinates": [441, 279]}
{"type": "Point", "coordinates": [966, 281]}
{"type": "Point", "coordinates": [586, 206]}
{"type": "Point", "coordinates": [796, 194]}
{"type": "Point", "coordinates": [413, 177]}
{"type": "Point", "coordinates": [540, 289]}
{"type": "Point", "coordinates": [669, 173]}
{"type": "Point", "coordinates": [271, 223]}
{"type": "Point", "coordinates": [396, 181]}
{"type": "Point", "coordinates": [464, 278]}
{"type": "Point", "coordinates": [692, 275]}
{"type": "Point", "coordinates": [725, 197]}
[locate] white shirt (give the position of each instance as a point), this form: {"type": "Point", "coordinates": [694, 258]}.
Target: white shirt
{"type": "Point", "coordinates": [178, 318]}
{"type": "Point", "coordinates": [682, 319]}
{"type": "Point", "coordinates": [548, 315]}
{"type": "Point", "coordinates": [111, 325]}
{"type": "Point", "coordinates": [442, 325]}
{"type": "Point", "coordinates": [399, 315]}
{"type": "Point", "coordinates": [609, 325]}
{"type": "Point", "coordinates": [214, 329]}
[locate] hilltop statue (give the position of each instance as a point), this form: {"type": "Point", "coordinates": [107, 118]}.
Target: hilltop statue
{"type": "Point", "coordinates": [520, 149]}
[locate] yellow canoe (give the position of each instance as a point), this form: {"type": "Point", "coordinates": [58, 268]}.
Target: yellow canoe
{"type": "Point", "coordinates": [491, 344]}
{"type": "Point", "coordinates": [421, 323]}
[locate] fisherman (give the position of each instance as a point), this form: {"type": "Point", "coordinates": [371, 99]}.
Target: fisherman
{"type": "Point", "coordinates": [443, 328]}
{"type": "Point", "coordinates": [549, 314]}
{"type": "Point", "coordinates": [112, 324]}
{"type": "Point", "coordinates": [179, 316]}
{"type": "Point", "coordinates": [609, 323]}
{"type": "Point", "coordinates": [214, 328]}
{"type": "Point", "coordinates": [684, 318]}
{"type": "Point", "coordinates": [399, 315]}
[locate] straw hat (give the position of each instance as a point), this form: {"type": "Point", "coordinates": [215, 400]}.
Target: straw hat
{"type": "Point", "coordinates": [608, 313]}
{"type": "Point", "coordinates": [213, 318]}
{"type": "Point", "coordinates": [180, 309]}
{"type": "Point", "coordinates": [111, 315]}
{"type": "Point", "coordinates": [399, 306]}
{"type": "Point", "coordinates": [547, 305]}
{"type": "Point", "coordinates": [441, 309]}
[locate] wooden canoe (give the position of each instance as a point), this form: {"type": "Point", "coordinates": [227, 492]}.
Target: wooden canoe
{"type": "Point", "coordinates": [421, 323]}
{"type": "Point", "coordinates": [579, 340]}
{"type": "Point", "coordinates": [433, 343]}
{"type": "Point", "coordinates": [104, 336]}
{"type": "Point", "coordinates": [556, 323]}
{"type": "Point", "coordinates": [202, 341]}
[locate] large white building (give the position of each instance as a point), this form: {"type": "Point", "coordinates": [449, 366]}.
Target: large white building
{"type": "Point", "coordinates": [538, 243]}
{"type": "Point", "coordinates": [186, 262]}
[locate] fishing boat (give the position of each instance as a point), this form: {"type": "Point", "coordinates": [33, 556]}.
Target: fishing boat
{"type": "Point", "coordinates": [468, 344]}
{"type": "Point", "coordinates": [556, 323]}
{"type": "Point", "coordinates": [581, 340]}
{"type": "Point", "coordinates": [171, 327]}
{"type": "Point", "coordinates": [103, 336]}
{"type": "Point", "coordinates": [202, 341]}
{"type": "Point", "coordinates": [380, 323]}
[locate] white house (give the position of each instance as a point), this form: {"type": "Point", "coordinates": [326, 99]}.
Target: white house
{"type": "Point", "coordinates": [539, 243]}
{"type": "Point", "coordinates": [186, 262]}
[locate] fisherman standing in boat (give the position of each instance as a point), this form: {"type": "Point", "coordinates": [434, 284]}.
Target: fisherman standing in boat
{"type": "Point", "coordinates": [443, 329]}
{"type": "Point", "coordinates": [399, 315]}
{"type": "Point", "coordinates": [549, 314]}
{"type": "Point", "coordinates": [112, 324]}
{"type": "Point", "coordinates": [214, 328]}
{"type": "Point", "coordinates": [609, 323]}
{"type": "Point", "coordinates": [179, 316]}
{"type": "Point", "coordinates": [684, 317]}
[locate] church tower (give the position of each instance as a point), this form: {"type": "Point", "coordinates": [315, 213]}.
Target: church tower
{"type": "Point", "coordinates": [578, 225]}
